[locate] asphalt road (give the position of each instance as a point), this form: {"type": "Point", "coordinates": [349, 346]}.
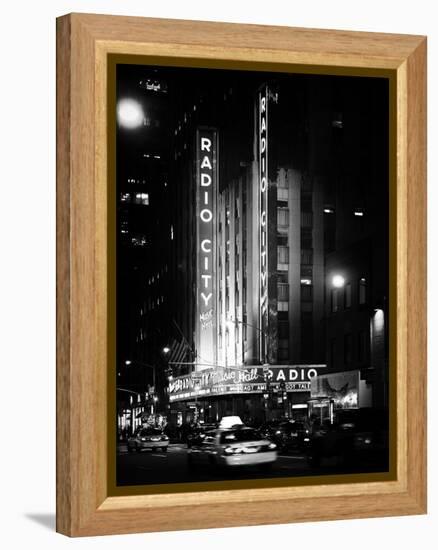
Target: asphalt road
{"type": "Point", "coordinates": [151, 467]}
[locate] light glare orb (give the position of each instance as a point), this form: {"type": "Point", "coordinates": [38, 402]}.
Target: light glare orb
{"type": "Point", "coordinates": [130, 113]}
{"type": "Point", "coordinates": [338, 281]}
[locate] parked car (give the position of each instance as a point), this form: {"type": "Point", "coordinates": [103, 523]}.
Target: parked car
{"type": "Point", "coordinates": [231, 447]}
{"type": "Point", "coordinates": [286, 434]}
{"type": "Point", "coordinates": [357, 436]}
{"type": "Point", "coordinates": [148, 438]}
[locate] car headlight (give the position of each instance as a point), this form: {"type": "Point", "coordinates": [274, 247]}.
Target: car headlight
{"type": "Point", "coordinates": [232, 450]}
{"type": "Point", "coordinates": [143, 438]}
{"type": "Point", "coordinates": [272, 446]}
{"type": "Point", "coordinates": [165, 438]}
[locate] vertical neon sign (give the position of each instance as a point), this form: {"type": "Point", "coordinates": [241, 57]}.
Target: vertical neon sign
{"type": "Point", "coordinates": [206, 189]}
{"type": "Point", "coordinates": [263, 201]}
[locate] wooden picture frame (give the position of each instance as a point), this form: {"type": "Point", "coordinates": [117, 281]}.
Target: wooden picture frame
{"type": "Point", "coordinates": [84, 42]}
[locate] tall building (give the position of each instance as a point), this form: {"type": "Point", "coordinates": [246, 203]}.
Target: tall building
{"type": "Point", "coordinates": [274, 333]}
{"type": "Point", "coordinates": [143, 241]}
{"type": "Point", "coordinates": [242, 198]}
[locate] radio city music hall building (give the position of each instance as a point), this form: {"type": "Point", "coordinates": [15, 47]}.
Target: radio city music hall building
{"type": "Point", "coordinates": [266, 178]}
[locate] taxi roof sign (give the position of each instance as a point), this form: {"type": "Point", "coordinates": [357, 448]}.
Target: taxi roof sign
{"type": "Point", "coordinates": [230, 421]}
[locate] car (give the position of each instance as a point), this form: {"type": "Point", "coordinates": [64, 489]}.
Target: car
{"type": "Point", "coordinates": [232, 447]}
{"type": "Point", "coordinates": [148, 438]}
{"type": "Point", "coordinates": [357, 436]}
{"type": "Point", "coordinates": [286, 434]}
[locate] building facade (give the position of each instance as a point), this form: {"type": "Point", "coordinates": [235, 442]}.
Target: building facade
{"type": "Point", "coordinates": [249, 195]}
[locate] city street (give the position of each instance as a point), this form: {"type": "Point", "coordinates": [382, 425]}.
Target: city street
{"type": "Point", "coordinates": [150, 467]}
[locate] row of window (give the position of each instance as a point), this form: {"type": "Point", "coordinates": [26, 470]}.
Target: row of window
{"type": "Point", "coordinates": [342, 297]}
{"type": "Point", "coordinates": [355, 347]}
{"type": "Point", "coordinates": [283, 218]}
{"type": "Point", "coordinates": [135, 198]}
{"type": "Point", "coordinates": [283, 257]}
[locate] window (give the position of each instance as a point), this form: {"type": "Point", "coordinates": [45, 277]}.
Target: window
{"type": "Point", "coordinates": [283, 330]}
{"type": "Point", "coordinates": [239, 436]}
{"type": "Point", "coordinates": [306, 293]}
{"type": "Point", "coordinates": [283, 292]}
{"type": "Point", "coordinates": [347, 349]}
{"type": "Point", "coordinates": [282, 193]}
{"type": "Point", "coordinates": [347, 296]}
{"type": "Point", "coordinates": [282, 183]}
{"type": "Point", "coordinates": [237, 208]}
{"type": "Point", "coordinates": [362, 346]}
{"type": "Point", "coordinates": [282, 240]}
{"type": "Point", "coordinates": [306, 219]}
{"type": "Point", "coordinates": [306, 273]}
{"type": "Point", "coordinates": [283, 306]}
{"type": "Point", "coordinates": [283, 217]}
{"type": "Point", "coordinates": [335, 300]}
{"type": "Point", "coordinates": [283, 343]}
{"type": "Point", "coordinates": [283, 354]}
{"type": "Point", "coordinates": [306, 183]}
{"type": "Point", "coordinates": [306, 256]}
{"type": "Point", "coordinates": [141, 198]}
{"type": "Point", "coordinates": [306, 238]}
{"type": "Point", "coordinates": [332, 352]}
{"type": "Point", "coordinates": [283, 277]}
{"type": "Point", "coordinates": [283, 350]}
{"type": "Point", "coordinates": [306, 202]}
{"type": "Point", "coordinates": [283, 254]}
{"type": "Point", "coordinates": [362, 291]}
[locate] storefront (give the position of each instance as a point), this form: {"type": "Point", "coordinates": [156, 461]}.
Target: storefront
{"type": "Point", "coordinates": [335, 391]}
{"type": "Point", "coordinates": [255, 393]}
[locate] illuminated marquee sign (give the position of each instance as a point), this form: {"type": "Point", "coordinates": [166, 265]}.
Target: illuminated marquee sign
{"type": "Point", "coordinates": [263, 201]}
{"type": "Point", "coordinates": [225, 381]}
{"type": "Point", "coordinates": [206, 189]}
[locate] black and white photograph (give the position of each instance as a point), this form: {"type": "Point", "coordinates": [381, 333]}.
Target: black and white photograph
{"type": "Point", "coordinates": [252, 274]}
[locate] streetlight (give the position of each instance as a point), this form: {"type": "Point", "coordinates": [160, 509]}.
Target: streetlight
{"type": "Point", "coordinates": [130, 113]}
{"type": "Point", "coordinates": [166, 350]}
{"type": "Point", "coordinates": [338, 281]}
